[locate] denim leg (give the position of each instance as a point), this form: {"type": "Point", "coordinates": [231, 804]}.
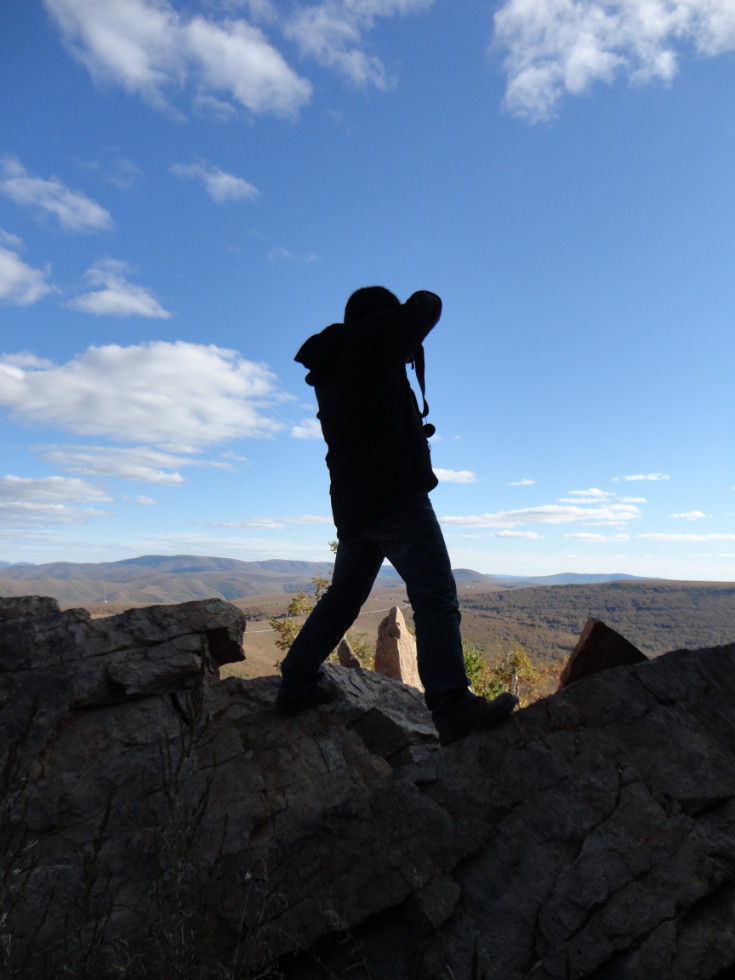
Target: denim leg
{"type": "Point", "coordinates": [356, 566]}
{"type": "Point", "coordinates": [413, 542]}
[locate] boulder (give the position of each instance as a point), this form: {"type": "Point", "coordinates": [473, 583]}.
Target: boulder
{"type": "Point", "coordinates": [345, 654]}
{"type": "Point", "coordinates": [598, 648]}
{"type": "Point", "coordinates": [164, 823]}
{"type": "Point", "coordinates": [395, 651]}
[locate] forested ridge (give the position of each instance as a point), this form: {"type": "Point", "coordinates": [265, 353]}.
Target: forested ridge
{"type": "Point", "coordinates": [547, 620]}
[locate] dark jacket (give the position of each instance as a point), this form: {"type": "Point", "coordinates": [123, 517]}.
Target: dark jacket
{"type": "Point", "coordinates": [378, 455]}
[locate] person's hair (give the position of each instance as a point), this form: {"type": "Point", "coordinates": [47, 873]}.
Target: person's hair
{"type": "Point", "coordinates": [369, 299]}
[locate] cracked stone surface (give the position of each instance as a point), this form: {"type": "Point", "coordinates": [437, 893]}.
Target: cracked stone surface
{"type": "Point", "coordinates": [592, 835]}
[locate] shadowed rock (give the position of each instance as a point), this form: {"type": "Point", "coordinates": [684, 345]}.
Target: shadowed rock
{"type": "Point", "coordinates": [395, 651]}
{"type": "Point", "coordinates": [592, 835]}
{"type": "Point", "coordinates": [598, 648]}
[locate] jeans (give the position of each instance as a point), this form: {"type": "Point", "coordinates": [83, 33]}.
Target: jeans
{"type": "Point", "coordinates": [411, 539]}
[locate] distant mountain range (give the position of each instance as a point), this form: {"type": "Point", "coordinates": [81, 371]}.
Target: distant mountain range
{"type": "Point", "coordinates": [179, 578]}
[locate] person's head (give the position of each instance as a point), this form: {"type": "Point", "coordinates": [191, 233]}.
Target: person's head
{"type": "Point", "coordinates": [369, 299]}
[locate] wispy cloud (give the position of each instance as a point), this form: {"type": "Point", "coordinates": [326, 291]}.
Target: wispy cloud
{"type": "Point", "coordinates": [558, 47]}
{"type": "Point", "coordinates": [178, 396]}
{"type": "Point", "coordinates": [549, 514]}
{"type": "Point", "coordinates": [20, 284]}
{"type": "Point", "coordinates": [73, 209]}
{"type": "Point", "coordinates": [525, 482]}
{"type": "Point", "coordinates": [274, 523]}
{"type": "Point", "coordinates": [220, 186]}
{"type": "Point", "coordinates": [116, 295]}
{"type": "Point", "coordinates": [595, 538]}
{"type": "Point", "coordinates": [638, 477]}
{"type": "Point", "coordinates": [455, 476]}
{"type": "Point", "coordinates": [28, 502]}
{"type": "Point", "coordinates": [332, 33]}
{"type": "Point", "coordinates": [50, 489]}
{"type": "Point", "coordinates": [136, 463]}
{"type": "Point", "coordinates": [665, 536]}
{"type": "Point", "coordinates": [154, 51]}
{"type": "Point", "coordinates": [526, 535]}
{"type": "Point", "coordinates": [690, 515]}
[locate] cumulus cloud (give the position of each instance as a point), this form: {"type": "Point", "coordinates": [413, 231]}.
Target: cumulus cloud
{"type": "Point", "coordinates": [455, 476]}
{"type": "Point", "coordinates": [220, 186]}
{"type": "Point", "coordinates": [116, 296]}
{"type": "Point", "coordinates": [549, 514]}
{"type": "Point", "coordinates": [179, 396]}
{"type": "Point", "coordinates": [73, 209]}
{"type": "Point", "coordinates": [152, 50]}
{"type": "Point", "coordinates": [651, 477]}
{"type": "Point", "coordinates": [20, 284]}
{"type": "Point", "coordinates": [555, 47]}
{"type": "Point", "coordinates": [592, 494]}
{"type": "Point", "coordinates": [307, 429]}
{"type": "Point", "coordinates": [332, 32]}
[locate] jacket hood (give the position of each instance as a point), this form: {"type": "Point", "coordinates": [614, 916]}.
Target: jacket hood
{"type": "Point", "coordinates": [318, 352]}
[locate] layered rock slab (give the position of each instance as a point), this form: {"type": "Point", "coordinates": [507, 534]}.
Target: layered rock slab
{"type": "Point", "coordinates": [591, 835]}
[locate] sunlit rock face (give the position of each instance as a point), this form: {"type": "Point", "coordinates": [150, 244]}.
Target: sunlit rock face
{"type": "Point", "coordinates": [156, 818]}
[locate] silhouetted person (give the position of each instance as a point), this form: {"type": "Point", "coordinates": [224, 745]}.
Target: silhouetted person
{"type": "Point", "coordinates": [381, 475]}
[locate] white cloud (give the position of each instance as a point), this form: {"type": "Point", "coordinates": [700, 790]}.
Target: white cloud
{"type": "Point", "coordinates": [152, 50]}
{"type": "Point", "coordinates": [279, 253]}
{"type": "Point", "coordinates": [117, 296]}
{"type": "Point", "coordinates": [455, 476]}
{"type": "Point", "coordinates": [138, 463]}
{"type": "Point", "coordinates": [28, 502]}
{"type": "Point", "coordinates": [25, 514]}
{"type": "Point", "coordinates": [592, 494]}
{"type": "Point", "coordinates": [691, 515]}
{"type": "Point", "coordinates": [145, 501]}
{"type": "Point", "coordinates": [525, 482]}
{"type": "Point", "coordinates": [632, 500]}
{"type": "Point", "coordinates": [274, 523]}
{"type": "Point", "coordinates": [687, 537]}
{"type": "Point", "coordinates": [50, 489]}
{"type": "Point", "coordinates": [594, 538]}
{"type": "Point", "coordinates": [220, 186]}
{"type": "Point", "coordinates": [74, 210]}
{"type": "Point", "coordinates": [651, 477]}
{"type": "Point", "coordinates": [332, 34]}
{"type": "Point", "coordinates": [180, 396]}
{"type": "Point", "coordinates": [555, 47]}
{"type": "Point", "coordinates": [528, 535]}
{"type": "Point", "coordinates": [549, 514]}
{"type": "Point", "coordinates": [20, 284]}
{"type": "Point", "coordinates": [308, 429]}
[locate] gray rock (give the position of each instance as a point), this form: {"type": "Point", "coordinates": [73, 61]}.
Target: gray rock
{"type": "Point", "coordinates": [395, 651]}
{"type": "Point", "coordinates": [152, 815]}
{"type": "Point", "coordinates": [598, 648]}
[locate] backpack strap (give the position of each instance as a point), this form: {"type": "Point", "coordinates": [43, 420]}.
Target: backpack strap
{"type": "Point", "coordinates": [419, 365]}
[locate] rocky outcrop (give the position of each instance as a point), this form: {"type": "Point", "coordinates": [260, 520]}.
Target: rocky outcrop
{"type": "Point", "coordinates": [345, 654]}
{"type": "Point", "coordinates": [598, 648]}
{"type": "Point", "coordinates": [154, 818]}
{"type": "Point", "coordinates": [395, 650]}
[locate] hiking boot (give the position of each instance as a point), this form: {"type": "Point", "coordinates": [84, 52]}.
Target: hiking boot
{"type": "Point", "coordinates": [477, 715]}
{"type": "Point", "coordinates": [322, 691]}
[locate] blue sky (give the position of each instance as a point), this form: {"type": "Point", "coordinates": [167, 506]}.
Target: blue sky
{"type": "Point", "coordinates": [189, 190]}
